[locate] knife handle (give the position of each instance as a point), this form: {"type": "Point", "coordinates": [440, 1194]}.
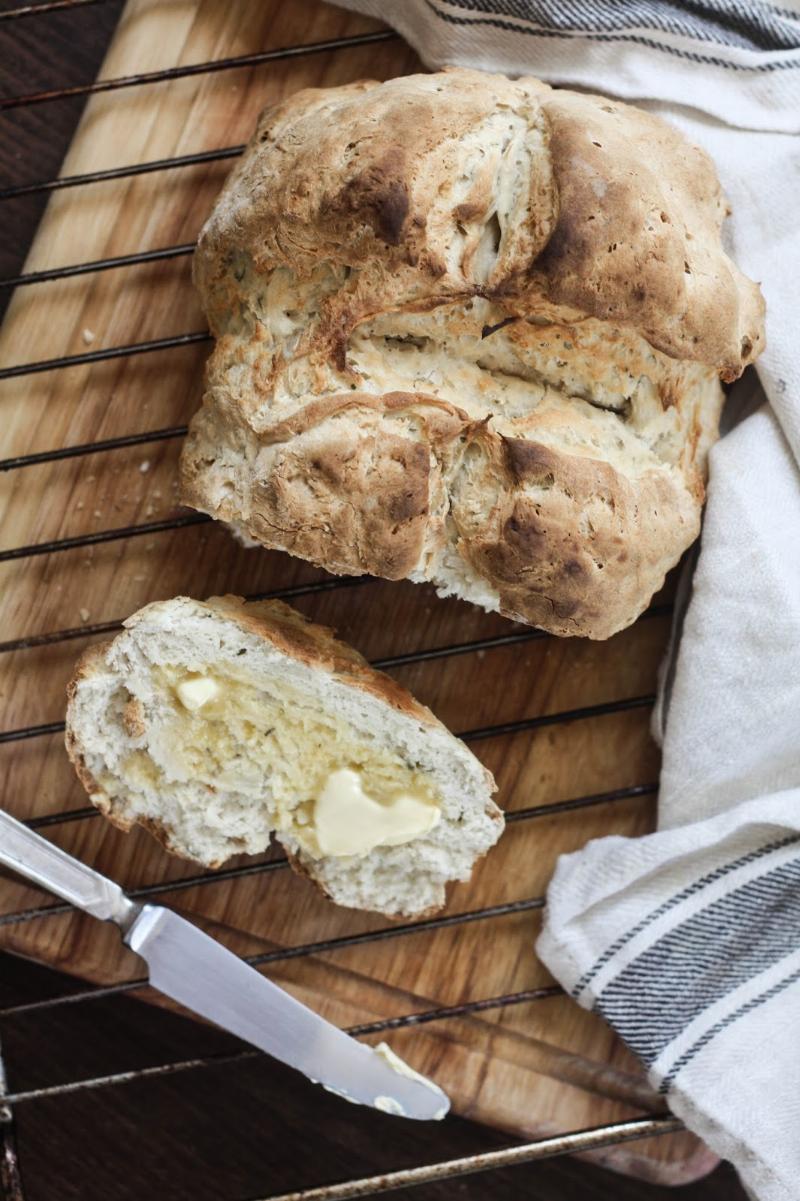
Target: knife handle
{"type": "Point", "coordinates": [40, 861]}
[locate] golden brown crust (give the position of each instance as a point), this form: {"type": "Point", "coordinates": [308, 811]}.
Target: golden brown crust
{"type": "Point", "coordinates": [322, 464]}
{"type": "Point", "coordinates": [569, 543]}
{"type": "Point", "coordinates": [389, 262]}
{"type": "Point", "coordinates": [306, 502]}
{"type": "Point", "coordinates": [318, 647]}
{"type": "Point", "coordinates": [631, 204]}
{"type": "Point", "coordinates": [644, 248]}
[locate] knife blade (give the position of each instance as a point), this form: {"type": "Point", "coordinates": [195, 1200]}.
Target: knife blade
{"type": "Point", "coordinates": [194, 969]}
{"type": "Point", "coordinates": [197, 971]}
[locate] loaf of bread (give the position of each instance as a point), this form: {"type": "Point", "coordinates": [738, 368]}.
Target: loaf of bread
{"type": "Point", "coordinates": [216, 724]}
{"type": "Point", "coordinates": [469, 330]}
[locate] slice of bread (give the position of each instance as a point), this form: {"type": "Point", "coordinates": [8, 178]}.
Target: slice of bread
{"type": "Point", "coordinates": [217, 723]}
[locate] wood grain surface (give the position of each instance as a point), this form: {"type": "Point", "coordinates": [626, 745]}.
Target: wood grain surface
{"type": "Point", "coordinates": [59, 49]}
{"type": "Point", "coordinates": [528, 1068]}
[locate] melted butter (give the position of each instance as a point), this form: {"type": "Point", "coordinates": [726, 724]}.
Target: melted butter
{"type": "Point", "coordinates": [196, 691]}
{"type": "Point", "coordinates": [227, 733]}
{"type": "Point", "coordinates": [348, 821]}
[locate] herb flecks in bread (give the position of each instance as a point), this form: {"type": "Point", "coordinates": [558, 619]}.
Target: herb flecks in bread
{"type": "Point", "coordinates": [216, 723]}
{"type": "Point", "coordinates": [470, 330]}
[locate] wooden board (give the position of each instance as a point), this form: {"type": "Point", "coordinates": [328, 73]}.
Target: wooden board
{"type": "Point", "coordinates": [535, 1066]}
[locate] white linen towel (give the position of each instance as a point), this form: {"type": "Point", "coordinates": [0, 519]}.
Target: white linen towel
{"type": "Point", "coordinates": [688, 941]}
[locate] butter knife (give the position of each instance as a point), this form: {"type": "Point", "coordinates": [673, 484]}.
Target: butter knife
{"type": "Point", "coordinates": [197, 971]}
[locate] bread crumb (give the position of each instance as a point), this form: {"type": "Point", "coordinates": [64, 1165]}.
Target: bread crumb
{"type": "Point", "coordinates": [133, 718]}
{"type": "Point", "coordinates": [98, 513]}
{"type": "Point", "coordinates": [84, 615]}
{"type": "Point", "coordinates": [79, 505]}
{"type": "Point", "coordinates": [144, 466]}
{"type": "Point", "coordinates": [88, 336]}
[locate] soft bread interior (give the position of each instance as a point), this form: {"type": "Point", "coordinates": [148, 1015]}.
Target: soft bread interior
{"type": "Point", "coordinates": [215, 737]}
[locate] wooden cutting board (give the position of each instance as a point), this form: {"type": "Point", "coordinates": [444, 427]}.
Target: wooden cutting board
{"type": "Point", "coordinates": [537, 1065]}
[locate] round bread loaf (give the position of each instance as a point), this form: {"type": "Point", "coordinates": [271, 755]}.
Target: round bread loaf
{"type": "Point", "coordinates": [470, 330]}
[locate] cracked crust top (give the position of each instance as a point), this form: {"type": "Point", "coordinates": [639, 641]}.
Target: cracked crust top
{"type": "Point", "coordinates": [470, 330]}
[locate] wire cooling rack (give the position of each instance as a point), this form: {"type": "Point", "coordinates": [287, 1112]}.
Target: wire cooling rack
{"type": "Point", "coordinates": [10, 1174]}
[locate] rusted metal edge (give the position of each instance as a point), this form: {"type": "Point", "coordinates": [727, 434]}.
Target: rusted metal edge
{"type": "Point", "coordinates": [508, 1157]}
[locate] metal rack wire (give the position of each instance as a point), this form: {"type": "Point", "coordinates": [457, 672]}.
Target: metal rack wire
{"type": "Point", "coordinates": [11, 1181]}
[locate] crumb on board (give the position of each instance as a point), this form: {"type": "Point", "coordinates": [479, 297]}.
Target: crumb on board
{"type": "Point", "coordinates": [88, 336]}
{"type": "Point", "coordinates": [84, 615]}
{"type": "Point", "coordinates": [98, 513]}
{"type": "Point", "coordinates": [144, 466]}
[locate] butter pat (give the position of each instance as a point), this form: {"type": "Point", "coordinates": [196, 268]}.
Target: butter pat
{"type": "Point", "coordinates": [197, 691]}
{"type": "Point", "coordinates": [347, 821]}
{"type": "Point", "coordinates": [390, 1104]}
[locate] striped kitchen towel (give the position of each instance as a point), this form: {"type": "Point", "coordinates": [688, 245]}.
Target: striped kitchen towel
{"type": "Point", "coordinates": [688, 941]}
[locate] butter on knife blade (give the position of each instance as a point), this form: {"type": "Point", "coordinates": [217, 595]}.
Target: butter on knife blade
{"type": "Point", "coordinates": [198, 972]}
{"type": "Point", "coordinates": [390, 1104]}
